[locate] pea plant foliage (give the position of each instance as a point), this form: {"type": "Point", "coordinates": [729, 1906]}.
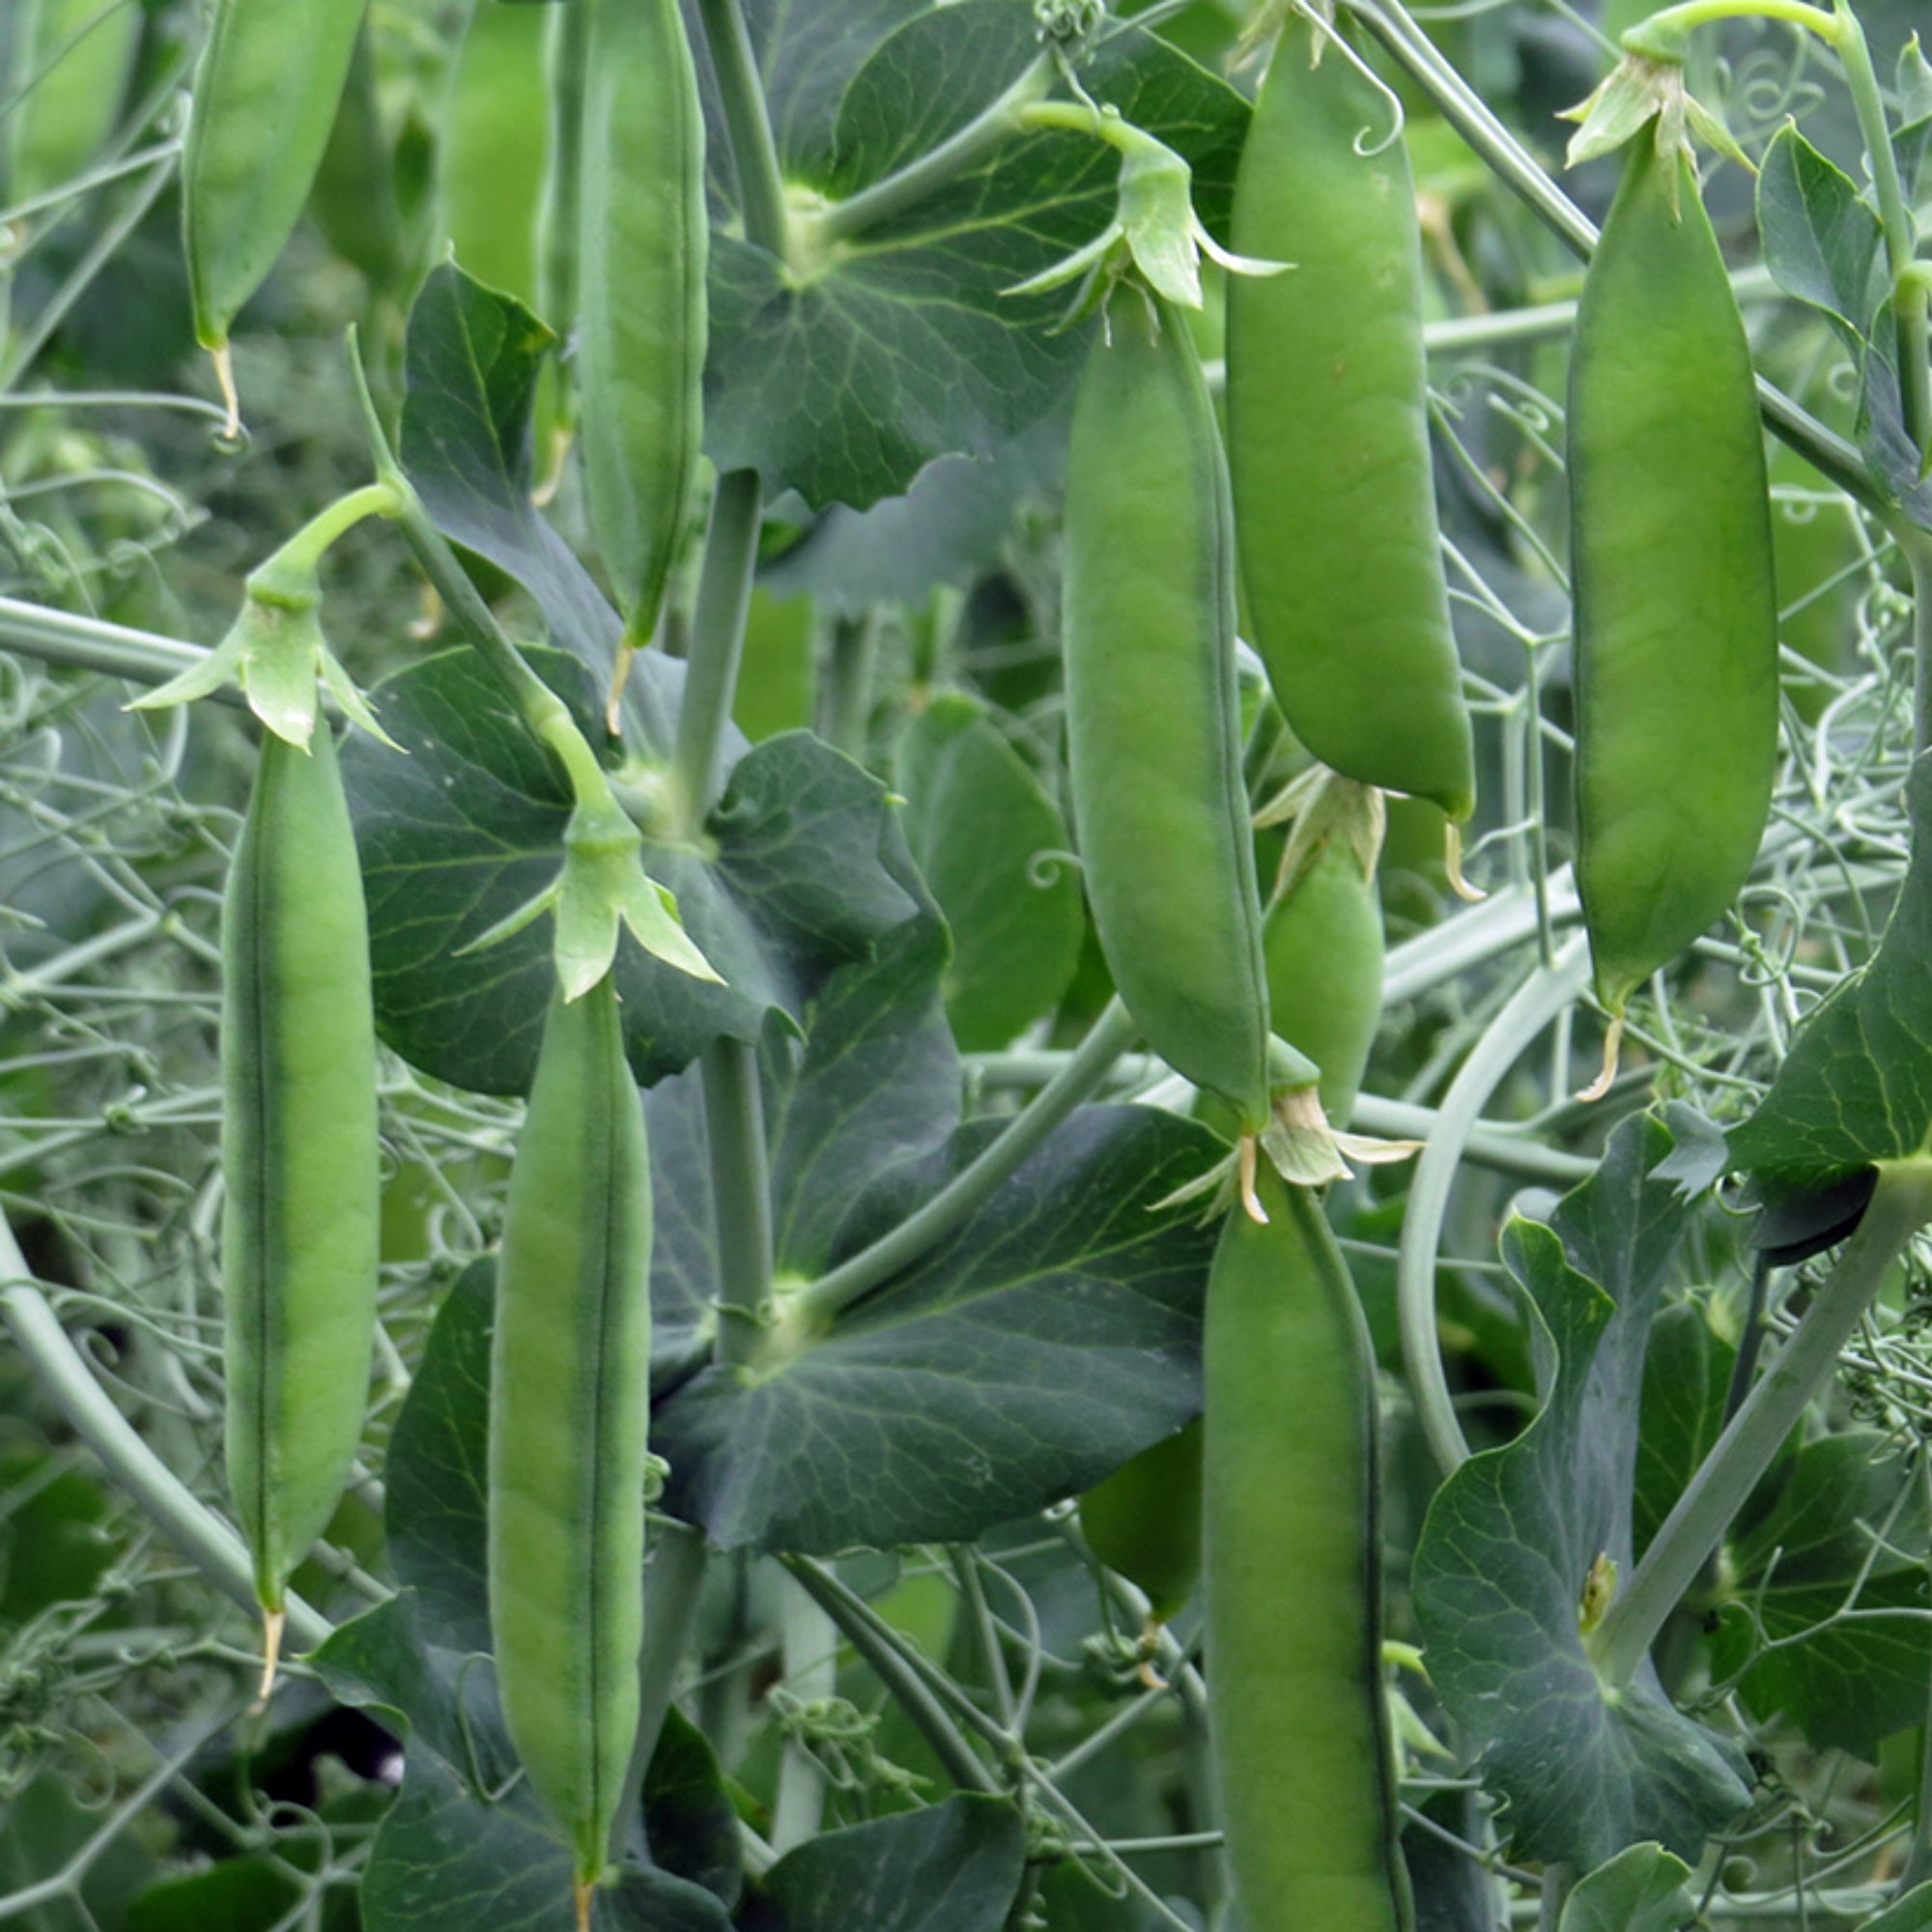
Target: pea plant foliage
{"type": "Point", "coordinates": [892, 1342]}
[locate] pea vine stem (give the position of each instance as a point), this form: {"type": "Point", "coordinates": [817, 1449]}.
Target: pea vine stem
{"type": "Point", "coordinates": [1900, 1205]}
{"type": "Point", "coordinates": [717, 639]}
{"type": "Point", "coordinates": [734, 1125]}
{"type": "Point", "coordinates": [187, 1522]}
{"type": "Point", "coordinates": [1917, 545]}
{"type": "Point", "coordinates": [1083, 1074]}
{"type": "Point", "coordinates": [760, 178]}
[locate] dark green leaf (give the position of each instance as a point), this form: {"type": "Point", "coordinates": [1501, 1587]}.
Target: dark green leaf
{"type": "Point", "coordinates": [1911, 1913]}
{"type": "Point", "coordinates": [843, 377]}
{"type": "Point", "coordinates": [1512, 1537]}
{"type": "Point", "coordinates": [468, 828]}
{"type": "Point", "coordinates": [232, 1893]}
{"type": "Point", "coordinates": [1642, 1890]}
{"type": "Point", "coordinates": [1822, 244]}
{"type": "Point", "coordinates": [1049, 1337]}
{"type": "Point", "coordinates": [1856, 1085]}
{"type": "Point", "coordinates": [435, 1481]}
{"type": "Point", "coordinates": [993, 847]}
{"type": "Point", "coordinates": [690, 1823]}
{"type": "Point", "coordinates": [445, 1861]}
{"type": "Point", "coordinates": [953, 1868]}
{"type": "Point", "coordinates": [1687, 1374]}
{"type": "Point", "coordinates": [1911, 137]}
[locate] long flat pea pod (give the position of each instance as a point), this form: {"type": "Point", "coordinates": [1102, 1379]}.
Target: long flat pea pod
{"type": "Point", "coordinates": [1328, 431]}
{"type": "Point", "coordinates": [1293, 1578]}
{"type": "Point", "coordinates": [1152, 709]}
{"type": "Point", "coordinates": [1672, 557]}
{"type": "Point", "coordinates": [640, 294]}
{"type": "Point", "coordinates": [301, 1230]}
{"type": "Point", "coordinates": [569, 1412]}
{"type": "Point", "coordinates": [266, 90]}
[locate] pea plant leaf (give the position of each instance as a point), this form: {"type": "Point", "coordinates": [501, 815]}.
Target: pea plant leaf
{"type": "Point", "coordinates": [1911, 137]}
{"type": "Point", "coordinates": [1513, 1537]}
{"type": "Point", "coordinates": [1827, 1623]}
{"type": "Point", "coordinates": [951, 1867]}
{"type": "Point", "coordinates": [1822, 243]}
{"type": "Point", "coordinates": [1856, 1085]}
{"type": "Point", "coordinates": [1642, 1890]}
{"type": "Point", "coordinates": [837, 374]}
{"type": "Point", "coordinates": [468, 827]}
{"type": "Point", "coordinates": [995, 851]}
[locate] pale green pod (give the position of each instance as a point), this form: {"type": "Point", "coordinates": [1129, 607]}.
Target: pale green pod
{"type": "Point", "coordinates": [300, 1159]}
{"type": "Point", "coordinates": [569, 1416]}
{"type": "Point", "coordinates": [641, 319]}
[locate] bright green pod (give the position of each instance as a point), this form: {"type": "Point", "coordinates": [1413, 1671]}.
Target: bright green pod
{"type": "Point", "coordinates": [640, 322]}
{"type": "Point", "coordinates": [1322, 940]}
{"type": "Point", "coordinates": [266, 90]}
{"type": "Point", "coordinates": [1152, 709]}
{"type": "Point", "coordinates": [301, 1160]}
{"type": "Point", "coordinates": [1671, 562]}
{"type": "Point", "coordinates": [569, 1416]}
{"type": "Point", "coordinates": [1328, 432]}
{"type": "Point", "coordinates": [1294, 1588]}
{"type": "Point", "coordinates": [1144, 1520]}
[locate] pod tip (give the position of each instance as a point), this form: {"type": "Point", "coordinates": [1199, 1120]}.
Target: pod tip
{"type": "Point", "coordinates": [583, 1891]}
{"type": "Point", "coordinates": [1613, 1042]}
{"type": "Point", "coordinates": [274, 1624]}
{"type": "Point", "coordinates": [1452, 858]}
{"type": "Point", "coordinates": [224, 374]}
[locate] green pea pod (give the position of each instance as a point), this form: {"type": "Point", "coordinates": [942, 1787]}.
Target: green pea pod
{"type": "Point", "coordinates": [1676, 608]}
{"type": "Point", "coordinates": [1293, 1590]}
{"type": "Point", "coordinates": [300, 1159]}
{"type": "Point", "coordinates": [266, 90]}
{"type": "Point", "coordinates": [1328, 432]}
{"type": "Point", "coordinates": [1152, 710]}
{"type": "Point", "coordinates": [1323, 945]}
{"type": "Point", "coordinates": [569, 1412]}
{"type": "Point", "coordinates": [640, 294]}
{"type": "Point", "coordinates": [1144, 1520]}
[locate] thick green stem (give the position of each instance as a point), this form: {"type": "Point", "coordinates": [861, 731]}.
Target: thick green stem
{"type": "Point", "coordinates": [898, 1669]}
{"type": "Point", "coordinates": [847, 694]}
{"type": "Point", "coordinates": [808, 1651]}
{"type": "Point", "coordinates": [1083, 1075]}
{"type": "Point", "coordinates": [887, 199]}
{"type": "Point", "coordinates": [717, 643]}
{"type": "Point", "coordinates": [1661, 37]}
{"type": "Point", "coordinates": [1540, 997]}
{"type": "Point", "coordinates": [734, 1125]}
{"type": "Point", "coordinates": [87, 643]}
{"type": "Point", "coordinates": [760, 178]}
{"type": "Point", "coordinates": [1916, 545]}
{"type": "Point", "coordinates": [181, 1516]}
{"type": "Point", "coordinates": [303, 551]}
{"type": "Point", "coordinates": [1900, 1205]}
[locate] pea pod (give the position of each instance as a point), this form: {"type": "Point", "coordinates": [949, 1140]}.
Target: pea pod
{"type": "Point", "coordinates": [640, 294]}
{"type": "Point", "coordinates": [1328, 432]}
{"type": "Point", "coordinates": [1152, 711]}
{"type": "Point", "coordinates": [1676, 611]}
{"type": "Point", "coordinates": [568, 1408]}
{"type": "Point", "coordinates": [300, 1151]}
{"type": "Point", "coordinates": [1294, 1592]}
{"type": "Point", "coordinates": [266, 90]}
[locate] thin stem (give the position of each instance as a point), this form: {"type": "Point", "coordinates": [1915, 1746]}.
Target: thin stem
{"type": "Point", "coordinates": [879, 1644]}
{"type": "Point", "coordinates": [189, 1524]}
{"type": "Point", "coordinates": [887, 199]}
{"type": "Point", "coordinates": [760, 178]}
{"type": "Point", "coordinates": [1661, 36]}
{"type": "Point", "coordinates": [330, 524]}
{"type": "Point", "coordinates": [734, 1125]}
{"type": "Point", "coordinates": [809, 1650]}
{"type": "Point", "coordinates": [1534, 1005]}
{"type": "Point", "coordinates": [847, 695]}
{"type": "Point", "coordinates": [1917, 545]}
{"type": "Point", "coordinates": [88, 643]}
{"type": "Point", "coordinates": [1900, 1205]}
{"type": "Point", "coordinates": [1083, 1073]}
{"type": "Point", "coordinates": [717, 643]}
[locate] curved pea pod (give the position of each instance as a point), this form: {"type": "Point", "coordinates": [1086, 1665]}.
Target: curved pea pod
{"type": "Point", "coordinates": [1144, 1520]}
{"type": "Point", "coordinates": [1152, 710]}
{"type": "Point", "coordinates": [266, 90]}
{"type": "Point", "coordinates": [301, 1160]}
{"type": "Point", "coordinates": [642, 317]}
{"type": "Point", "coordinates": [1322, 940]}
{"type": "Point", "coordinates": [569, 1412]}
{"type": "Point", "coordinates": [1328, 434]}
{"type": "Point", "coordinates": [1293, 1578]}
{"type": "Point", "coordinates": [1676, 609]}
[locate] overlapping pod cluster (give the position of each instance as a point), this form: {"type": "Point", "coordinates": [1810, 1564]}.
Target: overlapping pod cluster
{"type": "Point", "coordinates": [266, 90]}
{"type": "Point", "coordinates": [1328, 431]}
{"type": "Point", "coordinates": [1671, 563]}
{"type": "Point", "coordinates": [299, 1156]}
